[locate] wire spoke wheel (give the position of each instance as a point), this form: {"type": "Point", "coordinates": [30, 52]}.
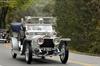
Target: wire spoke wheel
{"type": "Point", "coordinates": [65, 54]}
{"type": "Point", "coordinates": [28, 54]}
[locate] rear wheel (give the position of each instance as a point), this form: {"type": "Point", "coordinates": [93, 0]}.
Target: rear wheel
{"type": "Point", "coordinates": [28, 54]}
{"type": "Point", "coordinates": [65, 54]}
{"type": "Point", "coordinates": [14, 55]}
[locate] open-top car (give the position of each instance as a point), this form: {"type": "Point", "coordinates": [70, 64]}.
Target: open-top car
{"type": "Point", "coordinates": [36, 36]}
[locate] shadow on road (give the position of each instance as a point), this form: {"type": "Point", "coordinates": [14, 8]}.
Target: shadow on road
{"type": "Point", "coordinates": [39, 61]}
{"type": "Point", "coordinates": [46, 62]}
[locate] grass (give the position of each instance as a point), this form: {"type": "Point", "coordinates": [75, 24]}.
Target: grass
{"type": "Point", "coordinates": [84, 53]}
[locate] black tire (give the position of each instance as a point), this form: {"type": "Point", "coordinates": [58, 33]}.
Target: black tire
{"type": "Point", "coordinates": [28, 54]}
{"type": "Point", "coordinates": [42, 57]}
{"type": "Point", "coordinates": [65, 55]}
{"type": "Point", "coordinates": [14, 55]}
{"type": "Point", "coordinates": [5, 41]}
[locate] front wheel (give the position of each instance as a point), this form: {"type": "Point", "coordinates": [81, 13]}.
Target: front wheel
{"type": "Point", "coordinates": [28, 54]}
{"type": "Point", "coordinates": [65, 54]}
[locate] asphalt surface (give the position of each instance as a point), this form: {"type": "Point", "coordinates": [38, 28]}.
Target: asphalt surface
{"type": "Point", "coordinates": [74, 59]}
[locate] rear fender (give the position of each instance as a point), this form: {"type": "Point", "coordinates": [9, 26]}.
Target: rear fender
{"type": "Point", "coordinates": [14, 43]}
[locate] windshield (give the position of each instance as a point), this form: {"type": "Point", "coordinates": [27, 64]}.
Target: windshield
{"type": "Point", "coordinates": [40, 20]}
{"type": "Point", "coordinates": [39, 28]}
{"type": "Point", "coordinates": [38, 33]}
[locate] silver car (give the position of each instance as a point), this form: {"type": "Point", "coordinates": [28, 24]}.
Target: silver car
{"type": "Point", "coordinates": [37, 37]}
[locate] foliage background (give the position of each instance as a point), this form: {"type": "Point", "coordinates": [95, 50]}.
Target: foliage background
{"type": "Point", "coordinates": [80, 21]}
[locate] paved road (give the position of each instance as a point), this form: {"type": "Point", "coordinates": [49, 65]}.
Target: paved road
{"type": "Point", "coordinates": [74, 60]}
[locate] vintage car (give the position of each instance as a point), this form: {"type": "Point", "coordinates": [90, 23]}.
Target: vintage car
{"type": "Point", "coordinates": [2, 35]}
{"type": "Point", "coordinates": [36, 36]}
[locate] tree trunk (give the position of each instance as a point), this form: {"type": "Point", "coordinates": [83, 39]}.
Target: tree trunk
{"type": "Point", "coordinates": [3, 14]}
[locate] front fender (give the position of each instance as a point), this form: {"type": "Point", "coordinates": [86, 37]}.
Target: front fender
{"type": "Point", "coordinates": [25, 42]}
{"type": "Point", "coordinates": [65, 39]}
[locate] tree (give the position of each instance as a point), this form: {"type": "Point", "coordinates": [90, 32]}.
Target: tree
{"type": "Point", "coordinates": [49, 8]}
{"type": "Point", "coordinates": [12, 7]}
{"type": "Point", "coordinates": [75, 20]}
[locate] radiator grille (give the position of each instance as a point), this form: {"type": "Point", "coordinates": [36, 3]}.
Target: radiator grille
{"type": "Point", "coordinates": [47, 43]}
